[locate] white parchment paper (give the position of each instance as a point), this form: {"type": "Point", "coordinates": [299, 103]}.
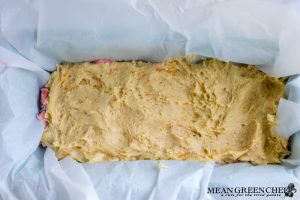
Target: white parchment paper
{"type": "Point", "coordinates": [35, 35]}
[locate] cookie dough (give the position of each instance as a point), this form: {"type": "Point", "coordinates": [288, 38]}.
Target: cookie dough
{"type": "Point", "coordinates": [211, 110]}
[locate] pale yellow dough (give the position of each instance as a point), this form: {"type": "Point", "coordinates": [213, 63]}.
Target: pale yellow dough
{"type": "Point", "coordinates": [212, 110]}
